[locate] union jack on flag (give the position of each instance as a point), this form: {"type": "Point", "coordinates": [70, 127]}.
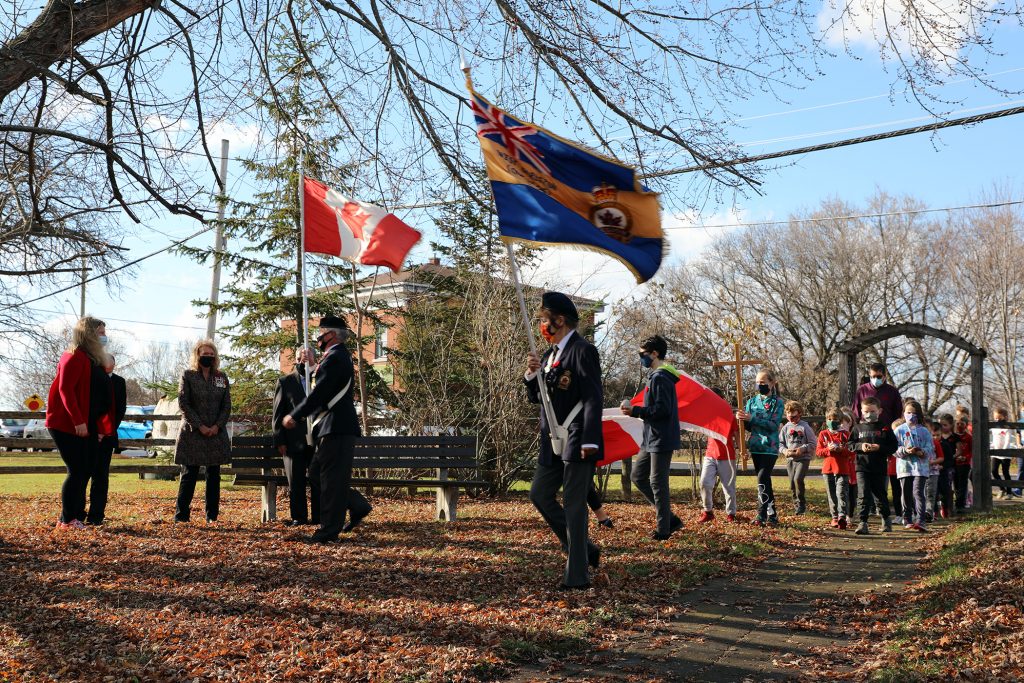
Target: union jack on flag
{"type": "Point", "coordinates": [511, 133]}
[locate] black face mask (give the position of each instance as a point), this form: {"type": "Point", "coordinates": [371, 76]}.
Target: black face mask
{"type": "Point", "coordinates": [763, 389]}
{"type": "Point", "coordinates": [300, 368]}
{"type": "Point", "coordinates": [206, 361]}
{"type": "Point", "coordinates": [322, 343]}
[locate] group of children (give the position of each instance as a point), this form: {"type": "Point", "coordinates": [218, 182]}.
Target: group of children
{"type": "Point", "coordinates": [926, 463]}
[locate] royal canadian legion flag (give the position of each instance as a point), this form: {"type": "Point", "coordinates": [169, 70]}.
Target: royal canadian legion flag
{"type": "Point", "coordinates": [355, 231]}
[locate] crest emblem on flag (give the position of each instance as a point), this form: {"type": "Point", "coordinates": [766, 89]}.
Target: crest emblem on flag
{"type": "Point", "coordinates": [612, 218]}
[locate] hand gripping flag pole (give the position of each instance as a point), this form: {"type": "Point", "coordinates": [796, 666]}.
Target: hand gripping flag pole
{"type": "Point", "coordinates": [549, 412]}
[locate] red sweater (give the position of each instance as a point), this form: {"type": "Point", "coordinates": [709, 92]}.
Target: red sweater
{"type": "Point", "coordinates": [723, 451]}
{"type": "Point", "coordinates": [838, 462]}
{"type": "Point", "coordinates": [68, 403]}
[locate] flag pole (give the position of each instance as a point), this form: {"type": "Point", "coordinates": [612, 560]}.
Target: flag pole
{"type": "Point", "coordinates": [302, 277]}
{"type": "Point", "coordinates": [549, 411]}
{"type": "Point", "coordinates": [545, 400]}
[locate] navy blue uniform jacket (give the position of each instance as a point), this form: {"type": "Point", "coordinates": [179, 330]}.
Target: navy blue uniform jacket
{"type": "Point", "coordinates": [287, 397]}
{"type": "Point", "coordinates": [577, 377]}
{"type": "Point", "coordinates": [333, 373]}
{"type": "Point", "coordinates": [660, 412]}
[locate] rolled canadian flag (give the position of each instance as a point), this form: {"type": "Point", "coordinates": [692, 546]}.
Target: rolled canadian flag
{"type": "Point", "coordinates": [700, 410]}
{"type": "Point", "coordinates": [355, 231]}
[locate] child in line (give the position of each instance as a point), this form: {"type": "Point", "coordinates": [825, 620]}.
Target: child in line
{"type": "Point", "coordinates": [846, 423]}
{"type": "Point", "coordinates": [837, 468]}
{"type": "Point", "coordinates": [719, 462]}
{"type": "Point", "coordinates": [949, 443]}
{"type": "Point", "coordinates": [896, 488]}
{"type": "Point", "coordinates": [762, 415]}
{"type": "Point", "coordinates": [912, 463]}
{"type": "Point", "coordinates": [874, 443]}
{"type": "Point", "coordinates": [796, 444]}
{"type": "Point", "coordinates": [963, 413]}
{"type": "Point", "coordinates": [964, 463]}
{"type": "Point", "coordinates": [934, 470]}
{"type": "Point", "coordinates": [1000, 439]}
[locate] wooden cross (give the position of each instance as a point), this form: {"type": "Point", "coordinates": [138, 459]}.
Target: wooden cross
{"type": "Point", "coordinates": [739, 362]}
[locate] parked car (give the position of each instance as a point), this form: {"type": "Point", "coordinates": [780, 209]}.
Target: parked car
{"type": "Point", "coordinates": [36, 429]}
{"type": "Point", "coordinates": [12, 429]}
{"type": "Point", "coordinates": [133, 429]}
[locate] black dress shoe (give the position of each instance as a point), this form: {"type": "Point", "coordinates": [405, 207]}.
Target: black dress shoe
{"type": "Point", "coordinates": [675, 525]}
{"type": "Point", "coordinates": [355, 521]}
{"type": "Point", "coordinates": [594, 558]}
{"type": "Point", "coordinates": [566, 587]}
{"type": "Point", "coordinates": [607, 523]}
{"type": "Point", "coordinates": [293, 522]}
{"type": "Point", "coordinates": [323, 539]}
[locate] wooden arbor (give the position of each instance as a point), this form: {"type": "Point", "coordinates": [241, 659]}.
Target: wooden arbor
{"type": "Point", "coordinates": [981, 474]}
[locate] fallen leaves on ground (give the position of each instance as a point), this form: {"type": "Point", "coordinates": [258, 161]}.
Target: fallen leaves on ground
{"type": "Point", "coordinates": [403, 598]}
{"type": "Point", "coordinates": [962, 619]}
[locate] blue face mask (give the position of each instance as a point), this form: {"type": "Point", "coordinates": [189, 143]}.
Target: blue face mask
{"type": "Point", "coordinates": [103, 340]}
{"type": "Point", "coordinates": [646, 360]}
{"type": "Point", "coordinates": [877, 381]}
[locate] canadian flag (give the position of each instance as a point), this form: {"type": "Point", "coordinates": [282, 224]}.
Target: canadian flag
{"type": "Point", "coordinates": [700, 410]}
{"type": "Point", "coordinates": [355, 231]}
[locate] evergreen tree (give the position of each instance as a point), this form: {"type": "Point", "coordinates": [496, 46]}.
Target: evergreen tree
{"type": "Point", "coordinates": [265, 255]}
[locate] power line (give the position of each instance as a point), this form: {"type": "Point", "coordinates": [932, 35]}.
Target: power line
{"type": "Point", "coordinates": [123, 320]}
{"type": "Point", "coordinates": [822, 219]}
{"type": "Point", "coordinates": [111, 271]}
{"type": "Point", "coordinates": [938, 125]}
{"type": "Point", "coordinates": [840, 103]}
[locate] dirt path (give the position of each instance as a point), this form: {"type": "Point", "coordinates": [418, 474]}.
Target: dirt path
{"type": "Point", "coordinates": [736, 629]}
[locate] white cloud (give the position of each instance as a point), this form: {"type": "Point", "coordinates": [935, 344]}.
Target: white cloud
{"type": "Point", "coordinates": [934, 30]}
{"type": "Point", "coordinates": [239, 137]}
{"type": "Point", "coordinates": [598, 276]}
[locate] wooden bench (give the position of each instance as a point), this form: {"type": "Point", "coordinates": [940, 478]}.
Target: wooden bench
{"type": "Point", "coordinates": [413, 461]}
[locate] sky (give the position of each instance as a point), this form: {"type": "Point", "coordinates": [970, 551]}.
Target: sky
{"type": "Point", "coordinates": [947, 169]}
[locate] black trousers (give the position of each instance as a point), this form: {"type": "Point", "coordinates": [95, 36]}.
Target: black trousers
{"type": "Point", "coordinates": [187, 489]}
{"type": "Point", "coordinates": [897, 494]}
{"type": "Point", "coordinates": [764, 463]}
{"type": "Point", "coordinates": [961, 476]}
{"type": "Point", "coordinates": [871, 492]}
{"type": "Point", "coordinates": [1001, 464]}
{"type": "Point", "coordinates": [944, 491]}
{"type": "Point", "coordinates": [78, 454]}
{"type": "Point", "coordinates": [296, 468]}
{"type": "Point", "coordinates": [99, 482]}
{"type": "Point", "coordinates": [332, 468]}
{"type": "Point", "coordinates": [569, 523]}
{"type": "Point", "coordinates": [594, 501]}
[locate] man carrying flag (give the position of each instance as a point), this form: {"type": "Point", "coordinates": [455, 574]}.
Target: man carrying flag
{"type": "Point", "coordinates": [570, 374]}
{"type": "Point", "coordinates": [660, 413]}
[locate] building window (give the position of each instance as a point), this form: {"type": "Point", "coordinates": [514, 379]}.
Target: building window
{"type": "Point", "coordinates": [380, 341]}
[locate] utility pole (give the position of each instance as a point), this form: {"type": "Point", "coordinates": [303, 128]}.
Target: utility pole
{"type": "Point", "coordinates": [219, 242]}
{"type": "Point", "coordinates": [81, 305]}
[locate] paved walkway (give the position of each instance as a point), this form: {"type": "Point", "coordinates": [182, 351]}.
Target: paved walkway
{"type": "Point", "coordinates": [735, 630]}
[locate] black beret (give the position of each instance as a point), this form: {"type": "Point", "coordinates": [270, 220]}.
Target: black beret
{"type": "Point", "coordinates": [559, 304]}
{"type": "Point", "coordinates": [333, 322]}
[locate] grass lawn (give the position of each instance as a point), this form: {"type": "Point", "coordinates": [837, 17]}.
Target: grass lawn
{"type": "Point", "coordinates": [962, 618]}
{"type": "Point", "coordinates": [404, 598]}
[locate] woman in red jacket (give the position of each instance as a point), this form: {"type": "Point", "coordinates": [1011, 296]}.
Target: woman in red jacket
{"type": "Point", "coordinates": [68, 414]}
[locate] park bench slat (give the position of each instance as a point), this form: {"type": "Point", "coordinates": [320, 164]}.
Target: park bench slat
{"type": "Point", "coordinates": [418, 452]}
